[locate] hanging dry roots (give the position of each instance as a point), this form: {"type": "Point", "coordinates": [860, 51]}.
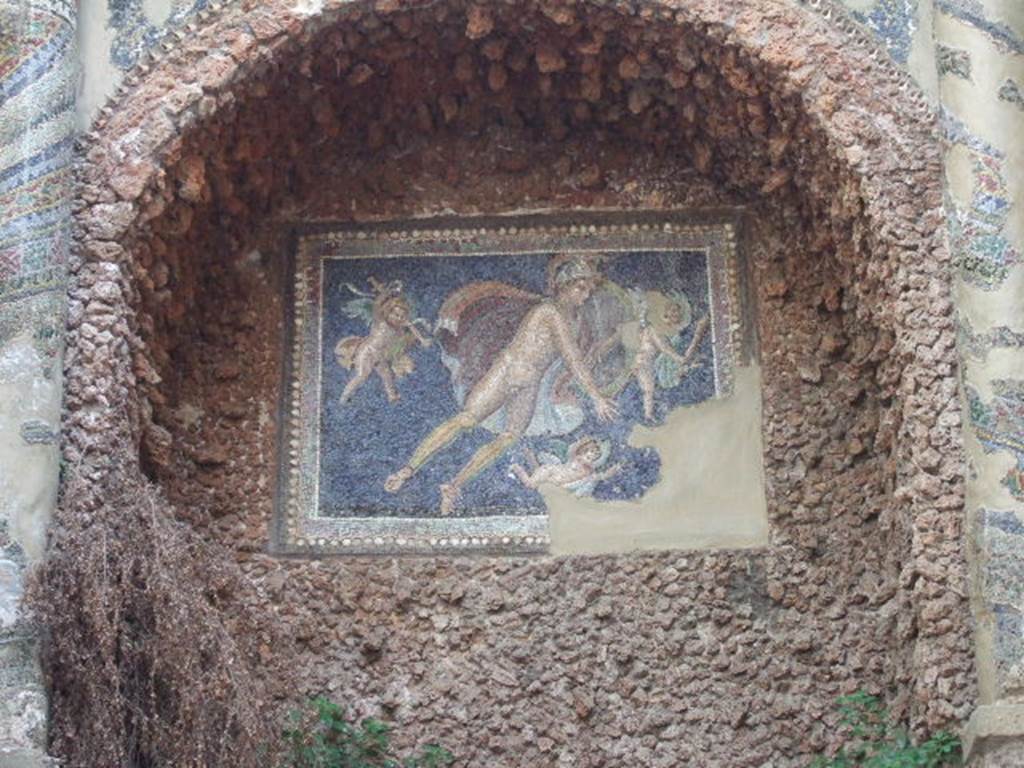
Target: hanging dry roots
{"type": "Point", "coordinates": [143, 667]}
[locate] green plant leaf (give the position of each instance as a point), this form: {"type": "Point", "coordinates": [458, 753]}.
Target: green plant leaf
{"type": "Point", "coordinates": [322, 737]}
{"type": "Point", "coordinates": [875, 741]}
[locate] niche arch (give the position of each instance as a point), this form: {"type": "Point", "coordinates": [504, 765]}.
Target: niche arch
{"type": "Point", "coordinates": [772, 108]}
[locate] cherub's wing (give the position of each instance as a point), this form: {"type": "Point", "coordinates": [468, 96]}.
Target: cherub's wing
{"type": "Point", "coordinates": [548, 459]}
{"type": "Point", "coordinates": [475, 323]}
{"type": "Point", "coordinates": [359, 308]}
{"type": "Point", "coordinates": [667, 371]}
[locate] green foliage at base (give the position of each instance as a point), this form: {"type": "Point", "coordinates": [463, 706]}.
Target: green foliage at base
{"type": "Point", "coordinates": [324, 738]}
{"type": "Point", "coordinates": [876, 742]}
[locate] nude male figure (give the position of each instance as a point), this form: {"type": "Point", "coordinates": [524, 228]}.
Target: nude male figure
{"type": "Point", "coordinates": [514, 379]}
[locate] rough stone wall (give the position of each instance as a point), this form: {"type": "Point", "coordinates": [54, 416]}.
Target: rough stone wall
{"type": "Point", "coordinates": [173, 331]}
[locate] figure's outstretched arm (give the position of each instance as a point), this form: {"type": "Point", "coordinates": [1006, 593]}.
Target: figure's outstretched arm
{"type": "Point", "coordinates": [599, 351]}
{"type": "Point", "coordinates": [612, 471]}
{"type": "Point", "coordinates": [698, 335]}
{"type": "Point", "coordinates": [418, 335]}
{"type": "Point", "coordinates": [570, 352]}
{"type": "Point", "coordinates": [524, 476]}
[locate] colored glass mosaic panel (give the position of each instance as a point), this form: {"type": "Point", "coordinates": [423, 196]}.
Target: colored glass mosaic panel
{"type": "Point", "coordinates": [441, 378]}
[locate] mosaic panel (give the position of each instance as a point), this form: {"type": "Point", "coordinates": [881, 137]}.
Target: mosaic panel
{"type": "Point", "coordinates": [893, 22]}
{"type": "Point", "coordinates": [999, 425]}
{"type": "Point", "coordinates": [974, 13]}
{"type": "Point", "coordinates": [1002, 540]}
{"type": "Point", "coordinates": [982, 251]}
{"type": "Point", "coordinates": [37, 86]}
{"type": "Point", "coordinates": [441, 378]}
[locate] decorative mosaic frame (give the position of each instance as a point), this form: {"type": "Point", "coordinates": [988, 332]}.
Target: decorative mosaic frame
{"type": "Point", "coordinates": [297, 529]}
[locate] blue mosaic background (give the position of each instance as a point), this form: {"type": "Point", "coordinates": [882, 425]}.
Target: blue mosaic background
{"type": "Point", "coordinates": [894, 23]}
{"type": "Point", "coordinates": [365, 440]}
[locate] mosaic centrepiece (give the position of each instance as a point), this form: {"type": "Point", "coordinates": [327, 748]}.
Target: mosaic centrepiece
{"type": "Point", "coordinates": [443, 378]}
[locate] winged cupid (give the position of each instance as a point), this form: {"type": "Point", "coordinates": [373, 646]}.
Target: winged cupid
{"type": "Point", "coordinates": [503, 347]}
{"type": "Point", "coordinates": [576, 467]}
{"type": "Point", "coordinates": [384, 350]}
{"type": "Point", "coordinates": [643, 345]}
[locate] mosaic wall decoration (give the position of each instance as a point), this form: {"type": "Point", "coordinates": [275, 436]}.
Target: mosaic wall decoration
{"type": "Point", "coordinates": [893, 22]}
{"type": "Point", "coordinates": [38, 74]}
{"type": "Point", "coordinates": [974, 14]}
{"type": "Point", "coordinates": [442, 376]}
{"type": "Point", "coordinates": [134, 30]}
{"type": "Point", "coordinates": [999, 426]}
{"type": "Point", "coordinates": [37, 92]}
{"type": "Point", "coordinates": [981, 249]}
{"type": "Point", "coordinates": [1001, 538]}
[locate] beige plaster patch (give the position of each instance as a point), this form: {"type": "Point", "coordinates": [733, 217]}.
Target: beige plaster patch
{"type": "Point", "coordinates": [921, 59]}
{"type": "Point", "coordinates": [960, 175]}
{"type": "Point", "coordinates": [157, 11]}
{"type": "Point", "coordinates": [711, 492]}
{"type": "Point", "coordinates": [100, 76]}
{"type": "Point", "coordinates": [28, 473]}
{"type": "Point", "coordinates": [1008, 12]}
{"type": "Point", "coordinates": [990, 309]}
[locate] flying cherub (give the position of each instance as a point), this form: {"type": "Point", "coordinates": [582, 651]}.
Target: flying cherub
{"type": "Point", "coordinates": [384, 349]}
{"type": "Point", "coordinates": [648, 340]}
{"type": "Point", "coordinates": [578, 471]}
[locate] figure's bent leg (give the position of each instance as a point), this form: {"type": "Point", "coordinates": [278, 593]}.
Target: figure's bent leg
{"type": "Point", "coordinates": [483, 458]}
{"type": "Point", "coordinates": [354, 383]}
{"type": "Point", "coordinates": [646, 381]}
{"type": "Point", "coordinates": [518, 414]}
{"type": "Point", "coordinates": [388, 379]}
{"type": "Point", "coordinates": [442, 435]}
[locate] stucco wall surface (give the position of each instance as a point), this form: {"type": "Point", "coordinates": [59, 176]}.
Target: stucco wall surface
{"type": "Point", "coordinates": [981, 46]}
